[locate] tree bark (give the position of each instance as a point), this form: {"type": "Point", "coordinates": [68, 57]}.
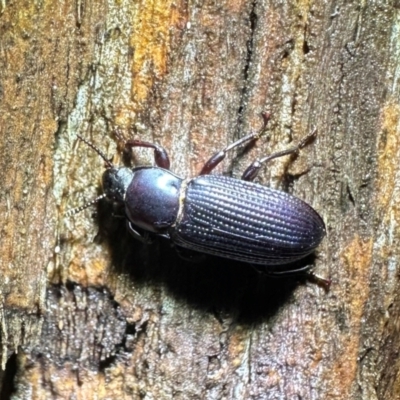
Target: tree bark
{"type": "Point", "coordinates": [87, 311]}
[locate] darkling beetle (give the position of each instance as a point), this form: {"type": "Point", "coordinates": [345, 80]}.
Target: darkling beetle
{"type": "Point", "coordinates": [215, 214]}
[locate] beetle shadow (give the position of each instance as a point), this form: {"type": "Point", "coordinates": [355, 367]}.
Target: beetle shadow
{"type": "Point", "coordinates": [209, 283]}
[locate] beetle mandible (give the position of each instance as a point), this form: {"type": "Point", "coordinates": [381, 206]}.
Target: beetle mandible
{"type": "Point", "coordinates": [214, 214]}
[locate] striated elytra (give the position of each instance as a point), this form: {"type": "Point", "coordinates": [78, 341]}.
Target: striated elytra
{"type": "Point", "coordinates": [246, 221]}
{"type": "Point", "coordinates": [214, 214]}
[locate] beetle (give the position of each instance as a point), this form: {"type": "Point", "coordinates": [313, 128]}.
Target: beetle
{"type": "Point", "coordinates": [215, 214]}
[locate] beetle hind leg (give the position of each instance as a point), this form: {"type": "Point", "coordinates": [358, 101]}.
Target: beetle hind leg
{"type": "Point", "coordinates": [252, 171]}
{"type": "Point", "coordinates": [305, 271]}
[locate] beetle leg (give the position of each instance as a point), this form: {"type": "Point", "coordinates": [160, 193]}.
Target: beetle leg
{"type": "Point", "coordinates": [251, 172]}
{"type": "Point", "coordinates": [288, 272]}
{"type": "Point", "coordinates": [144, 239]}
{"type": "Point", "coordinates": [305, 271]}
{"type": "Point", "coordinates": [326, 283]}
{"type": "Point", "coordinates": [190, 255]}
{"type": "Point", "coordinates": [164, 235]}
{"type": "Point", "coordinates": [160, 154]}
{"type": "Point", "coordinates": [220, 155]}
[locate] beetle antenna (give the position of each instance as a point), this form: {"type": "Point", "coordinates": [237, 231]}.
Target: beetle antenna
{"type": "Point", "coordinates": [97, 150]}
{"type": "Point", "coordinates": [76, 210]}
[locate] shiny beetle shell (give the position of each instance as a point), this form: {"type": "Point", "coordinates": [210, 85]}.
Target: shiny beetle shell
{"type": "Point", "coordinates": [246, 221]}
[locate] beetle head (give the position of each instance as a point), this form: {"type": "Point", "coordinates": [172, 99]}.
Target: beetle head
{"type": "Point", "coordinates": [115, 183]}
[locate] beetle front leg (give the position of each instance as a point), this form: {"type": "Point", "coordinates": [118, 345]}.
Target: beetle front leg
{"type": "Point", "coordinates": [160, 154]}
{"type": "Point", "coordinates": [251, 172]}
